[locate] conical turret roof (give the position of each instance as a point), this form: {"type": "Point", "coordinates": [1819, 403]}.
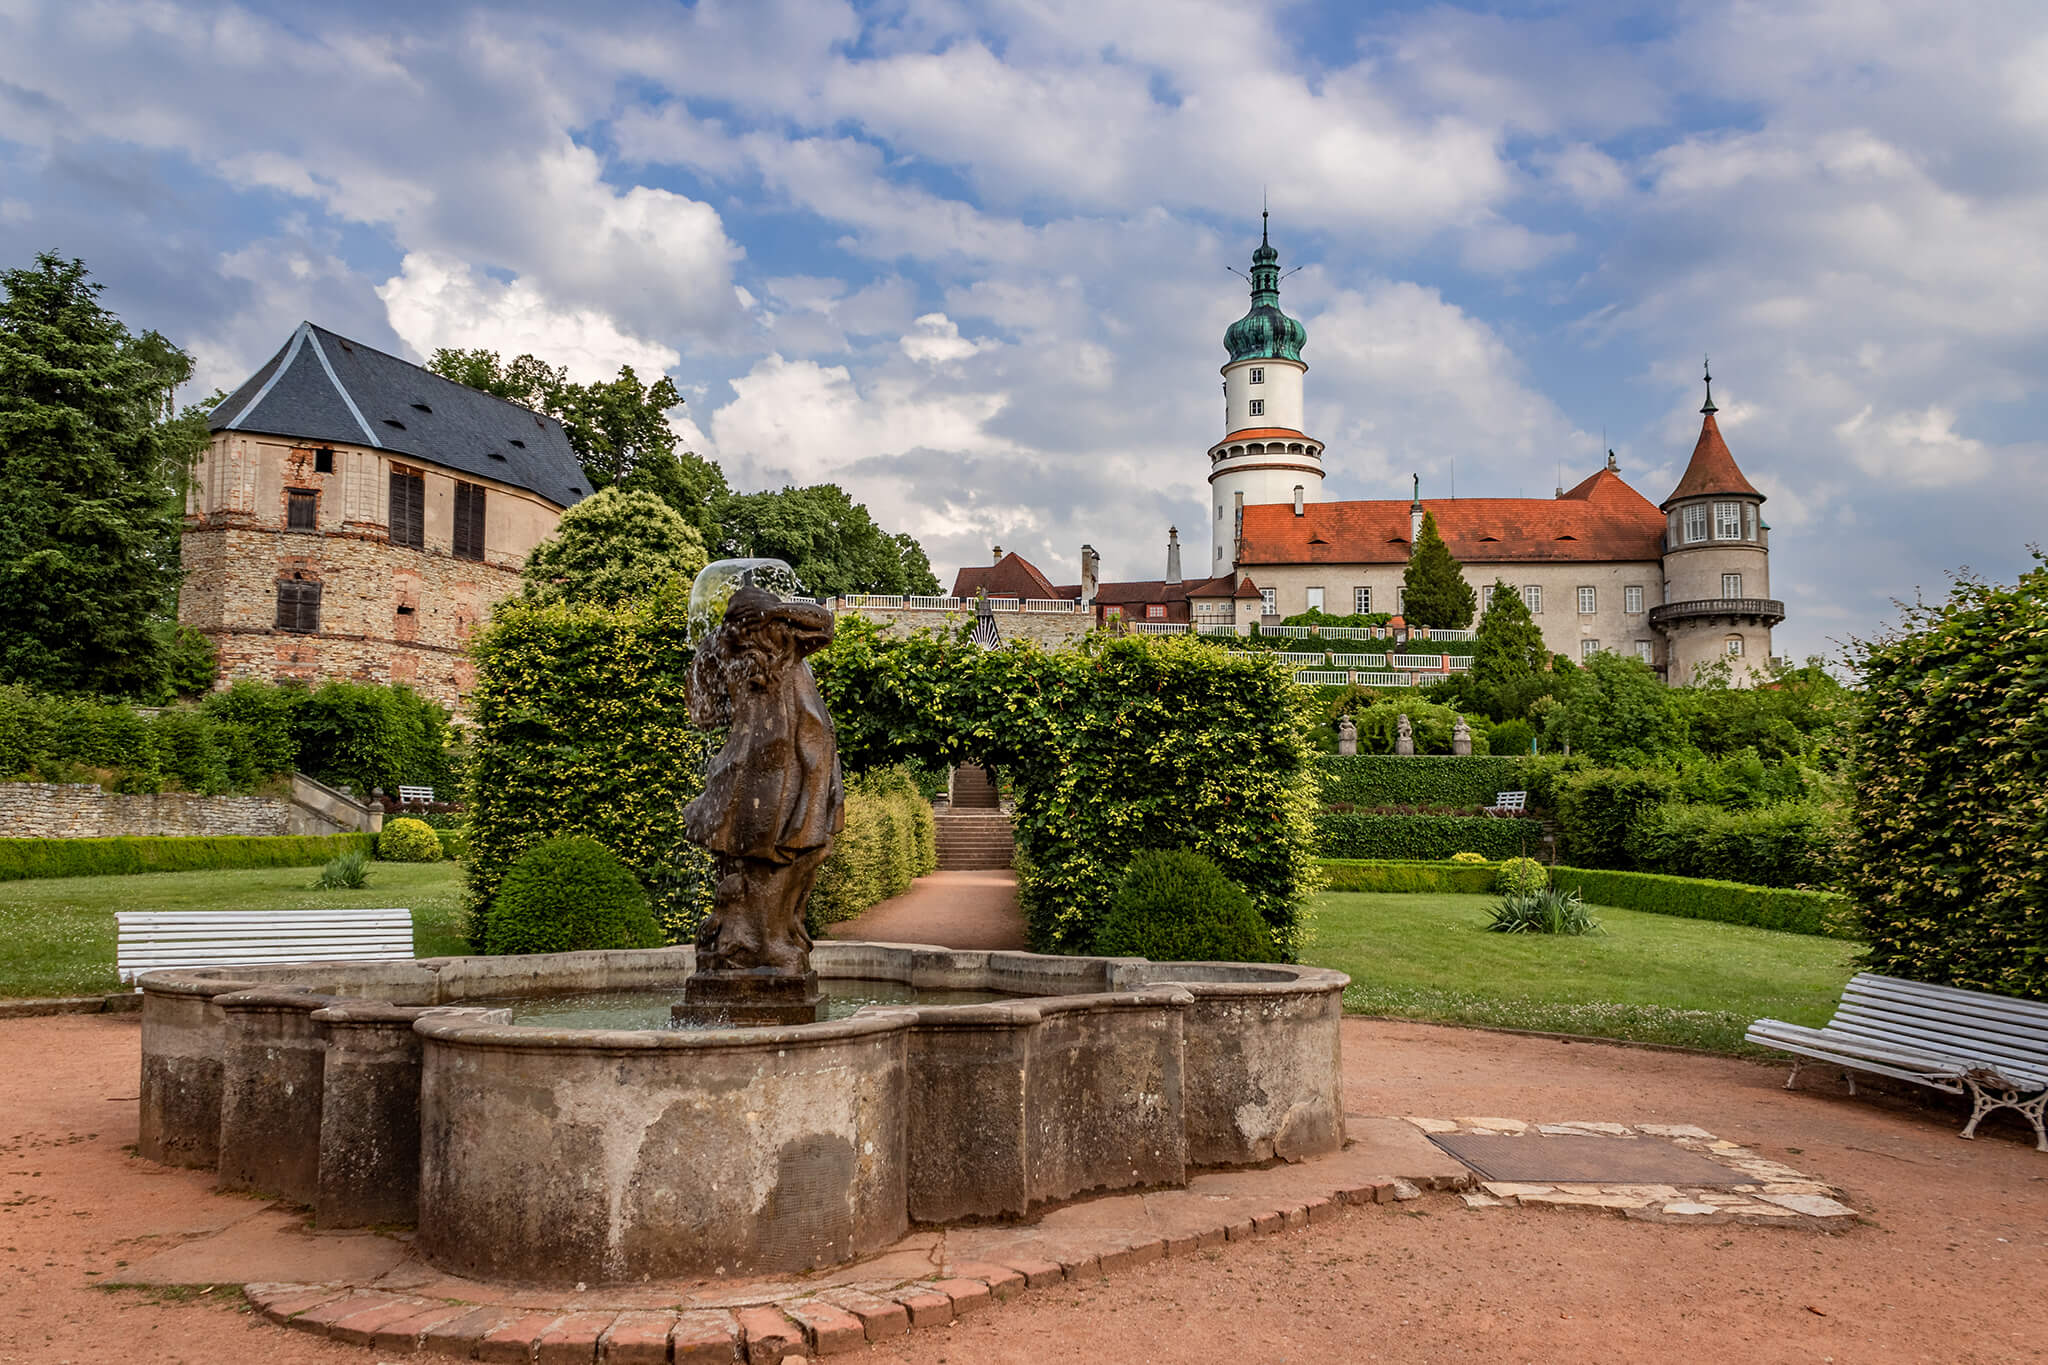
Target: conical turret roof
{"type": "Point", "coordinates": [1712, 468]}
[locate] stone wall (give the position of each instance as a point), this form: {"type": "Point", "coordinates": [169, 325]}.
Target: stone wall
{"type": "Point", "coordinates": [1047, 630]}
{"type": "Point", "coordinates": [80, 810]}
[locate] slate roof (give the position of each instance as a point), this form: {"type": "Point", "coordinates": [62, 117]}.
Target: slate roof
{"type": "Point", "coordinates": [1600, 520]}
{"type": "Point", "coordinates": [1712, 468]}
{"type": "Point", "coordinates": [320, 386]}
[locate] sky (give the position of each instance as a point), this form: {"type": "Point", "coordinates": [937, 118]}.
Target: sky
{"type": "Point", "coordinates": [971, 261]}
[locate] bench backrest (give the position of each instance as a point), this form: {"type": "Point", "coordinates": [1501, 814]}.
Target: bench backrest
{"type": "Point", "coordinates": [410, 794]}
{"type": "Point", "coordinates": [1510, 800]}
{"type": "Point", "coordinates": [151, 941]}
{"type": "Point", "coordinates": [1967, 1025]}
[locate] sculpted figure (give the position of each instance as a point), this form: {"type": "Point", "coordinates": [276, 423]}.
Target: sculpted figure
{"type": "Point", "coordinates": [1347, 736]}
{"type": "Point", "coordinates": [773, 797]}
{"type": "Point", "coordinates": [1404, 736]}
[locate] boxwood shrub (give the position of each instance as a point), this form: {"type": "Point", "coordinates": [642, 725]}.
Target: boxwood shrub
{"type": "Point", "coordinates": [566, 895]}
{"type": "Point", "coordinates": [406, 840]}
{"type": "Point", "coordinates": [1344, 874]}
{"type": "Point", "coordinates": [1762, 907]}
{"type": "Point", "coordinates": [1347, 834]}
{"type": "Point", "coordinates": [1424, 779]}
{"type": "Point", "coordinates": [1177, 906]}
{"type": "Point", "coordinates": [20, 858]}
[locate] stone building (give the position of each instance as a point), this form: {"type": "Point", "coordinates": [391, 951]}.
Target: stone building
{"type": "Point", "coordinates": [357, 516]}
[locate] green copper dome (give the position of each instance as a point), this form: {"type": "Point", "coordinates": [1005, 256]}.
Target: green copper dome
{"type": "Point", "coordinates": [1265, 333]}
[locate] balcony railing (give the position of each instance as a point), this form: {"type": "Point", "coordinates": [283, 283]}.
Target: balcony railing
{"type": "Point", "coordinates": [1765, 609]}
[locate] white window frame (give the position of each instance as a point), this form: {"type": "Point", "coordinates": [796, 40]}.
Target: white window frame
{"type": "Point", "coordinates": [1258, 374]}
{"type": "Point", "coordinates": [1589, 601]}
{"type": "Point", "coordinates": [1532, 598]}
{"type": "Point", "coordinates": [1315, 599]}
{"type": "Point", "coordinates": [1632, 599]}
{"type": "Point", "coordinates": [1727, 521]}
{"type": "Point", "coordinates": [1269, 599]}
{"type": "Point", "coordinates": [1695, 519]}
{"type": "Point", "coordinates": [1361, 601]}
{"type": "Point", "coordinates": [1728, 580]}
{"type": "Point", "coordinates": [1256, 407]}
{"type": "Point", "coordinates": [1749, 521]}
{"type": "Point", "coordinates": [1155, 611]}
{"type": "Point", "coordinates": [1588, 648]}
{"type": "Point", "coordinates": [1646, 651]}
{"type": "Point", "coordinates": [1735, 646]}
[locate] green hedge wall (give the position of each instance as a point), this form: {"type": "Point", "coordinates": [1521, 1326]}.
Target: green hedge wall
{"type": "Point", "coordinates": [1347, 874]}
{"type": "Point", "coordinates": [1796, 844]}
{"type": "Point", "coordinates": [21, 858]}
{"type": "Point", "coordinates": [1425, 837]}
{"type": "Point", "coordinates": [1762, 907]}
{"type": "Point", "coordinates": [889, 841]}
{"type": "Point", "coordinates": [1424, 779]}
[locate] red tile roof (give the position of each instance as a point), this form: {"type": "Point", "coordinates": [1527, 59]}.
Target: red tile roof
{"type": "Point", "coordinates": [1712, 469]}
{"type": "Point", "coordinates": [1602, 519]}
{"type": "Point", "coordinates": [1263, 434]}
{"type": "Point", "coordinates": [1011, 576]}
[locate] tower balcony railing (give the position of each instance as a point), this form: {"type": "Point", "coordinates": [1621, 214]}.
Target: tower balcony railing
{"type": "Point", "coordinates": [1768, 610]}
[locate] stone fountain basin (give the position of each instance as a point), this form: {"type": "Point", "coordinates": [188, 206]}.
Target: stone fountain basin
{"type": "Point", "coordinates": [372, 1093]}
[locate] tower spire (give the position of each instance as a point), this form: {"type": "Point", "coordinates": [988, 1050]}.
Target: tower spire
{"type": "Point", "coordinates": [1707, 366]}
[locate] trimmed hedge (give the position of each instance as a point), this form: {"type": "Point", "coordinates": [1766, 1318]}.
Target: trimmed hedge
{"type": "Point", "coordinates": [1761, 907]}
{"type": "Point", "coordinates": [22, 858]}
{"type": "Point", "coordinates": [889, 841]}
{"type": "Point", "coordinates": [1797, 844]}
{"type": "Point", "coordinates": [1348, 834]}
{"type": "Point", "coordinates": [1177, 906]}
{"type": "Point", "coordinates": [1424, 779]}
{"type": "Point", "coordinates": [1349, 874]}
{"type": "Point", "coordinates": [568, 895]}
{"type": "Point", "coordinates": [406, 840]}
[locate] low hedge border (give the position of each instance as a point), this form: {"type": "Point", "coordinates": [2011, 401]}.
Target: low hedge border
{"type": "Point", "coordinates": [24, 858]}
{"type": "Point", "coordinates": [1818, 913]}
{"type": "Point", "coordinates": [1365, 874]}
{"type": "Point", "coordinates": [1417, 780]}
{"type": "Point", "coordinates": [1423, 838]}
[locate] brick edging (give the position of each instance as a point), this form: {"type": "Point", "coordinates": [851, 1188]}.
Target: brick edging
{"type": "Point", "coordinates": [120, 1002]}
{"type": "Point", "coordinates": [829, 1322]}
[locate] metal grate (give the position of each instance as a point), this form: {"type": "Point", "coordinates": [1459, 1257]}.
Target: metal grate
{"type": "Point", "coordinates": [1586, 1160]}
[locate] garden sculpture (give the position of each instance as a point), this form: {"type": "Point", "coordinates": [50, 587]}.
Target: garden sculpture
{"type": "Point", "coordinates": [1347, 736]}
{"type": "Point", "coordinates": [1404, 736]}
{"type": "Point", "coordinates": [773, 798]}
{"type": "Point", "coordinates": [1461, 738]}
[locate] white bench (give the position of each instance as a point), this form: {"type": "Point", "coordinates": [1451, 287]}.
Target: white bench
{"type": "Point", "coordinates": [408, 795]}
{"type": "Point", "coordinates": [151, 941]}
{"type": "Point", "coordinates": [1508, 803]}
{"type": "Point", "coordinates": [1993, 1047]}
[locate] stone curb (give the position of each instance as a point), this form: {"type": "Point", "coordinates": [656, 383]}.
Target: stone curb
{"type": "Point", "coordinates": [121, 1002]}
{"type": "Point", "coordinates": [831, 1321]}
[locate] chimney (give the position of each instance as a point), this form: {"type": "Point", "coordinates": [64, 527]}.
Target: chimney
{"type": "Point", "coordinates": [1299, 495]}
{"type": "Point", "coordinates": [1173, 554]}
{"type": "Point", "coordinates": [1415, 511]}
{"type": "Point", "coordinates": [1089, 560]}
{"type": "Point", "coordinates": [996, 554]}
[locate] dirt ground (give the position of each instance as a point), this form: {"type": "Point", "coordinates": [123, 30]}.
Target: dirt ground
{"type": "Point", "coordinates": [972, 910]}
{"type": "Point", "coordinates": [1952, 1265]}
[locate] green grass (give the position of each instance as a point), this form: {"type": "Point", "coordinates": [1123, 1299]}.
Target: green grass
{"type": "Point", "coordinates": [58, 932]}
{"type": "Point", "coordinates": [1648, 978]}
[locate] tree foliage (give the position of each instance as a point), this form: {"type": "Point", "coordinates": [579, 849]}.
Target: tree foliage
{"type": "Point", "coordinates": [828, 538]}
{"type": "Point", "coordinates": [1613, 709]}
{"type": "Point", "coordinates": [1951, 790]}
{"type": "Point", "coordinates": [1509, 661]}
{"type": "Point", "coordinates": [610, 547]}
{"type": "Point", "coordinates": [92, 459]}
{"type": "Point", "coordinates": [1434, 592]}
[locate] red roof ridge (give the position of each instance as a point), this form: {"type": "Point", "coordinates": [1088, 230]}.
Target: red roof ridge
{"type": "Point", "coordinates": [1261, 433]}
{"type": "Point", "coordinates": [1712, 468]}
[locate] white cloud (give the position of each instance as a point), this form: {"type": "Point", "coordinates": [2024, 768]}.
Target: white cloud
{"type": "Point", "coordinates": [1914, 449]}
{"type": "Point", "coordinates": [937, 341]}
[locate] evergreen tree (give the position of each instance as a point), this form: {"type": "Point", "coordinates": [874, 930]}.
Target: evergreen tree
{"type": "Point", "coordinates": [91, 461]}
{"type": "Point", "coordinates": [1508, 656]}
{"type": "Point", "coordinates": [1434, 592]}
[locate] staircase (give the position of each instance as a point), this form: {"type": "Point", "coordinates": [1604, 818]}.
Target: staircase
{"type": "Point", "coordinates": [974, 836]}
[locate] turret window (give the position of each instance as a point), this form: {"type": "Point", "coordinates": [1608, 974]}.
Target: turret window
{"type": "Point", "coordinates": [1735, 646]}
{"type": "Point", "coordinates": [1258, 375]}
{"type": "Point", "coordinates": [1727, 521]}
{"type": "Point", "coordinates": [1731, 586]}
{"type": "Point", "coordinates": [1695, 523]}
{"type": "Point", "coordinates": [1258, 407]}
{"type": "Point", "coordinates": [1748, 522]}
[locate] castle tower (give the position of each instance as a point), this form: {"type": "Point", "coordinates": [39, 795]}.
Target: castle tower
{"type": "Point", "coordinates": [1717, 564]}
{"type": "Point", "coordinates": [1263, 457]}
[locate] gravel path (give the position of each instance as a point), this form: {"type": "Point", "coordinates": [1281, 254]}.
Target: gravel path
{"type": "Point", "coordinates": [950, 909]}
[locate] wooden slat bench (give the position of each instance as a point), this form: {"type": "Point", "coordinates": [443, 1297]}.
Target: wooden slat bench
{"type": "Point", "coordinates": [1992, 1047]}
{"type": "Point", "coordinates": [415, 795]}
{"type": "Point", "coordinates": [1508, 803]}
{"type": "Point", "coordinates": [152, 941]}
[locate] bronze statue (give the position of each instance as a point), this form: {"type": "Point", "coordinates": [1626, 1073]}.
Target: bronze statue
{"type": "Point", "coordinates": [773, 798]}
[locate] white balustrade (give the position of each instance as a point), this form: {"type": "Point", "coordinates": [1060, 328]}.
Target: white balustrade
{"type": "Point", "coordinates": [1378, 661]}
{"type": "Point", "coordinates": [1159, 627]}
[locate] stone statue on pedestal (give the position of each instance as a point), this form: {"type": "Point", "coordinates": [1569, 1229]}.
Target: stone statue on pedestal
{"type": "Point", "coordinates": [773, 798]}
{"type": "Point", "coordinates": [1347, 736]}
{"type": "Point", "coordinates": [1404, 737]}
{"type": "Point", "coordinates": [1461, 738]}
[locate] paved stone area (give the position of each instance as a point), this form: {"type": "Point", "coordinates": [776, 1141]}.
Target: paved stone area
{"type": "Point", "coordinates": [972, 910]}
{"type": "Point", "coordinates": [1768, 1191]}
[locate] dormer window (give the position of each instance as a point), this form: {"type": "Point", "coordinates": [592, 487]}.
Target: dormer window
{"type": "Point", "coordinates": [1258, 375]}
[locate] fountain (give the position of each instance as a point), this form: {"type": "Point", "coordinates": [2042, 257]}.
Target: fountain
{"type": "Point", "coordinates": [538, 1152]}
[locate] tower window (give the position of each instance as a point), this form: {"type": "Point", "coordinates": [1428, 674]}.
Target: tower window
{"type": "Point", "coordinates": [1589, 601]}
{"type": "Point", "coordinates": [1258, 407]}
{"type": "Point", "coordinates": [1748, 521]}
{"type": "Point", "coordinates": [301, 509]}
{"type": "Point", "coordinates": [1695, 523]}
{"type": "Point", "coordinates": [469, 521]}
{"type": "Point", "coordinates": [1632, 599]}
{"type": "Point", "coordinates": [1645, 651]}
{"type": "Point", "coordinates": [323, 462]}
{"type": "Point", "coordinates": [1727, 521]}
{"type": "Point", "coordinates": [298, 605]}
{"type": "Point", "coordinates": [1219, 511]}
{"type": "Point", "coordinates": [1731, 586]}
{"type": "Point", "coordinates": [408, 510]}
{"type": "Point", "coordinates": [1258, 375]}
{"type": "Point", "coordinates": [1532, 598]}
{"type": "Point", "coordinates": [1735, 646]}
{"type": "Point", "coordinates": [1361, 601]}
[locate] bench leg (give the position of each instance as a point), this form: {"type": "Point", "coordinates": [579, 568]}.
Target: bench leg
{"type": "Point", "coordinates": [1850, 1078]}
{"type": "Point", "coordinates": [1795, 1071]}
{"type": "Point", "coordinates": [1984, 1099]}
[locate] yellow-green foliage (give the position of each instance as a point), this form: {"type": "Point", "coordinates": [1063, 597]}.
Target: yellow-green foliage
{"type": "Point", "coordinates": [1468, 857]}
{"type": "Point", "coordinates": [1520, 876]}
{"type": "Point", "coordinates": [406, 840]}
{"type": "Point", "coordinates": [889, 841]}
{"type": "Point", "coordinates": [581, 728]}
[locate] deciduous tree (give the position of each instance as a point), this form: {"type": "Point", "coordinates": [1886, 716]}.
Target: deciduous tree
{"type": "Point", "coordinates": [612, 547]}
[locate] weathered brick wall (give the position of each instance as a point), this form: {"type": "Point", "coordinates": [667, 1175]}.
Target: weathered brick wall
{"type": "Point", "coordinates": [80, 810]}
{"type": "Point", "coordinates": [1047, 630]}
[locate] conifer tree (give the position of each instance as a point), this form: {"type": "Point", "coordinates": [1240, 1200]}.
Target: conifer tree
{"type": "Point", "coordinates": [1434, 592]}
{"type": "Point", "coordinates": [89, 479]}
{"type": "Point", "coordinates": [1508, 656]}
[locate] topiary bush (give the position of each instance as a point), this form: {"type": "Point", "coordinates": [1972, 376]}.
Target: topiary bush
{"type": "Point", "coordinates": [569, 894]}
{"type": "Point", "coordinates": [406, 840]}
{"type": "Point", "coordinates": [1468, 857]}
{"type": "Point", "coordinates": [1520, 876]}
{"type": "Point", "coordinates": [1177, 906]}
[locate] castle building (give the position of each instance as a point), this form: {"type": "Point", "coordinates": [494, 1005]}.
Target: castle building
{"type": "Point", "coordinates": [1602, 568]}
{"type": "Point", "coordinates": [357, 516]}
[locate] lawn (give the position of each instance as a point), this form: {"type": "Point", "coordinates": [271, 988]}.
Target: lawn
{"type": "Point", "coordinates": [1650, 978]}
{"type": "Point", "coordinates": [57, 933]}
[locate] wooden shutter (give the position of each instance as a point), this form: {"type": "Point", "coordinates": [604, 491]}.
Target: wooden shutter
{"type": "Point", "coordinates": [298, 605]}
{"type": "Point", "coordinates": [301, 509]}
{"type": "Point", "coordinates": [469, 521]}
{"type": "Point", "coordinates": [408, 510]}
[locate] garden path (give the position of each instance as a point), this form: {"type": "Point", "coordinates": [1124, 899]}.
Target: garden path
{"type": "Point", "coordinates": [951, 909]}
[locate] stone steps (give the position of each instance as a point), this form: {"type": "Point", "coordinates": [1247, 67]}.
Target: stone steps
{"type": "Point", "coordinates": [974, 840]}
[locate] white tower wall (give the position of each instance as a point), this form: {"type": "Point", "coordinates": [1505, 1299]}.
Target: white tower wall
{"type": "Point", "coordinates": [1277, 390]}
